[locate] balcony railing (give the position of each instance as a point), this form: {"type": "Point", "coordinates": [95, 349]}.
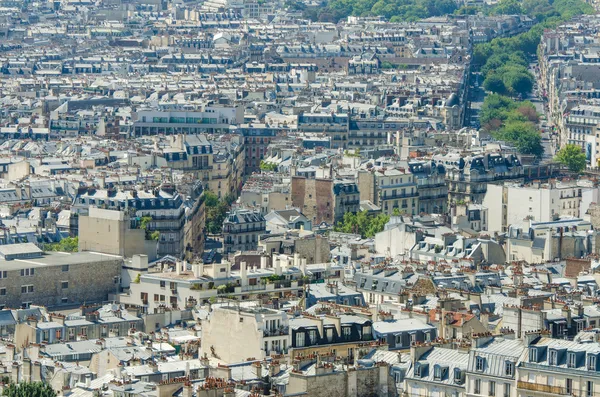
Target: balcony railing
{"type": "Point", "coordinates": [276, 332]}
{"type": "Point", "coordinates": [543, 388]}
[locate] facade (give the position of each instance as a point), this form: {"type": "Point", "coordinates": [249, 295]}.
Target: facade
{"type": "Point", "coordinates": [55, 279]}
{"type": "Point", "coordinates": [467, 178]}
{"type": "Point", "coordinates": [242, 230]}
{"type": "Point", "coordinates": [552, 367]}
{"type": "Point", "coordinates": [160, 212]}
{"type": "Point", "coordinates": [396, 190]}
{"type": "Point", "coordinates": [334, 125]}
{"type": "Point", "coordinates": [256, 140]}
{"type": "Point", "coordinates": [211, 119]}
{"type": "Point", "coordinates": [265, 331]}
{"type": "Point", "coordinates": [536, 202]}
{"type": "Point", "coordinates": [431, 186]}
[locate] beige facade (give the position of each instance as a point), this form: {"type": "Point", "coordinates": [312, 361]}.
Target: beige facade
{"type": "Point", "coordinates": [109, 231]}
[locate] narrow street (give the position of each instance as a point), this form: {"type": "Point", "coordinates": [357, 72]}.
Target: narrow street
{"type": "Point", "coordinates": [548, 141]}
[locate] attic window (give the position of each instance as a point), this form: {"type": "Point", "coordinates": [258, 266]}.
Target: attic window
{"type": "Point", "coordinates": [533, 355]}
{"type": "Point", "coordinates": [553, 357]}
{"type": "Point", "coordinates": [509, 368]}
{"type": "Point", "coordinates": [418, 369]}
{"type": "Point", "coordinates": [479, 362]}
{"type": "Point", "coordinates": [591, 362]}
{"type": "Point", "coordinates": [457, 375]}
{"type": "Point", "coordinates": [571, 360]}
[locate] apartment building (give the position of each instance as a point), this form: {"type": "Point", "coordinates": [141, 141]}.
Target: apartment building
{"type": "Point", "coordinates": [468, 177]}
{"type": "Point", "coordinates": [210, 119]}
{"type": "Point", "coordinates": [160, 212]}
{"type": "Point", "coordinates": [537, 202]}
{"type": "Point", "coordinates": [33, 277]}
{"type": "Point", "coordinates": [553, 367]}
{"type": "Point", "coordinates": [242, 229]}
{"type": "Point", "coordinates": [396, 189]}
{"type": "Point", "coordinates": [431, 186]}
{"type": "Point", "coordinates": [266, 331]}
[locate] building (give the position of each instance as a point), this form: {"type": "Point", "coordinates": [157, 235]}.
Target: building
{"type": "Point", "coordinates": [551, 367]}
{"type": "Point", "coordinates": [493, 366]}
{"type": "Point", "coordinates": [283, 220]}
{"type": "Point", "coordinates": [324, 199]}
{"type": "Point", "coordinates": [161, 212]}
{"type": "Point", "coordinates": [468, 177]}
{"type": "Point", "coordinates": [537, 202]}
{"type": "Point", "coordinates": [242, 230]}
{"type": "Point", "coordinates": [211, 119]}
{"type": "Point", "coordinates": [32, 277]}
{"type": "Point", "coordinates": [431, 186]}
{"type": "Point", "coordinates": [111, 232]}
{"type": "Point", "coordinates": [265, 331]}
{"type": "Point", "coordinates": [393, 190]}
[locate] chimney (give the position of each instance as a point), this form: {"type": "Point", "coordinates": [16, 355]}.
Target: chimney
{"type": "Point", "coordinates": [303, 266]}
{"type": "Point", "coordinates": [277, 266]}
{"type": "Point", "coordinates": [178, 267]}
{"type": "Point", "coordinates": [263, 262]}
{"type": "Point", "coordinates": [198, 269]}
{"type": "Point", "coordinates": [296, 260]}
{"type": "Point", "coordinates": [243, 272]}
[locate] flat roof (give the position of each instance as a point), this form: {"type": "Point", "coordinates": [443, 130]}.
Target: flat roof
{"type": "Point", "coordinates": [57, 259]}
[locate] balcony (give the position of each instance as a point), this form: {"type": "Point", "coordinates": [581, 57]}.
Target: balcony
{"type": "Point", "coordinates": [556, 390]}
{"type": "Point", "coordinates": [276, 332]}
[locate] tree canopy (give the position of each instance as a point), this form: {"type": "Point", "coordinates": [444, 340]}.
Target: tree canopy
{"type": "Point", "coordinates": [29, 389]}
{"type": "Point", "coordinates": [362, 223]}
{"type": "Point", "coordinates": [216, 209]}
{"type": "Point", "coordinates": [513, 122]}
{"type": "Point", "coordinates": [573, 157]}
{"type": "Point", "coordinates": [67, 244]}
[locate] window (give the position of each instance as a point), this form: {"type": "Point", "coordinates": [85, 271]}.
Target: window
{"type": "Point", "coordinates": [2, 291]}
{"type": "Point", "coordinates": [509, 369]}
{"type": "Point", "coordinates": [591, 363]}
{"type": "Point", "coordinates": [418, 369]}
{"type": "Point", "coordinates": [26, 289]}
{"type": "Point", "coordinates": [569, 386]}
{"type": "Point", "coordinates": [553, 357]}
{"type": "Point", "coordinates": [479, 363]}
{"type": "Point", "coordinates": [300, 339]}
{"type": "Point", "coordinates": [64, 284]}
{"type": "Point", "coordinates": [437, 372]}
{"type": "Point", "coordinates": [64, 300]}
{"type": "Point", "coordinates": [346, 331]}
{"type": "Point", "coordinates": [65, 268]}
{"type": "Point", "coordinates": [477, 386]}
{"type": "Point", "coordinates": [533, 355]}
{"type": "Point", "coordinates": [492, 389]}
{"type": "Point", "coordinates": [27, 272]}
{"type": "Point", "coordinates": [507, 390]}
{"type": "Point", "coordinates": [571, 360]}
{"type": "Point", "coordinates": [163, 284]}
{"type": "Point", "coordinates": [590, 388]}
{"type": "Point", "coordinates": [457, 375]}
{"type": "Point", "coordinates": [312, 335]}
{"type": "Point", "coordinates": [3, 274]}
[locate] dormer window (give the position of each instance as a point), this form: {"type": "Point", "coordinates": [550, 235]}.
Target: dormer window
{"type": "Point", "coordinates": [571, 360]}
{"type": "Point", "coordinates": [591, 362]}
{"type": "Point", "coordinates": [479, 363]}
{"type": "Point", "coordinates": [418, 370]}
{"type": "Point", "coordinates": [533, 355]}
{"type": "Point", "coordinates": [553, 357]}
{"type": "Point", "coordinates": [509, 368]}
{"type": "Point", "coordinates": [457, 375]}
{"type": "Point", "coordinates": [437, 372]}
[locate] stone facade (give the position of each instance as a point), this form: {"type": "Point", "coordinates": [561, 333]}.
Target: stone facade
{"type": "Point", "coordinates": [59, 279]}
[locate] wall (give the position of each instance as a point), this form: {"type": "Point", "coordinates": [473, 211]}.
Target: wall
{"type": "Point", "coordinates": [107, 231]}
{"type": "Point", "coordinates": [223, 331]}
{"type": "Point", "coordinates": [88, 282]}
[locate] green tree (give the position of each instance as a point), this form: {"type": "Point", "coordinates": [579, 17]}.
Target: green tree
{"type": "Point", "coordinates": [361, 223]}
{"type": "Point", "coordinates": [216, 210]}
{"type": "Point", "coordinates": [494, 83]}
{"type": "Point", "coordinates": [523, 135]}
{"type": "Point", "coordinates": [29, 389]}
{"type": "Point", "coordinates": [67, 244]}
{"type": "Point", "coordinates": [573, 157]}
{"type": "Point", "coordinates": [265, 166]}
